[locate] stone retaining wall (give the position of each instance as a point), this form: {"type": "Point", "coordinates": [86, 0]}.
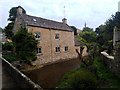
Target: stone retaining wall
{"type": "Point", "coordinates": [22, 80]}
{"type": "Point", "coordinates": [111, 63]}
{"type": "Point", "coordinates": [107, 60]}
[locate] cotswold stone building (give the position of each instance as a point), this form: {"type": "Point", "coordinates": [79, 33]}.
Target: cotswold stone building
{"type": "Point", "coordinates": [56, 39]}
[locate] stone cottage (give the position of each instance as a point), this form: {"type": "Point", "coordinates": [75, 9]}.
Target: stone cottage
{"type": "Point", "coordinates": [56, 39]}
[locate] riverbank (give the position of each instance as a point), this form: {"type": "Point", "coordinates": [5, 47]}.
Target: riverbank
{"type": "Point", "coordinates": [36, 65]}
{"type": "Point", "coordinates": [49, 75]}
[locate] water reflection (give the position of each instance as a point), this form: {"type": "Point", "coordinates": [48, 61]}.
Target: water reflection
{"type": "Point", "coordinates": [49, 76]}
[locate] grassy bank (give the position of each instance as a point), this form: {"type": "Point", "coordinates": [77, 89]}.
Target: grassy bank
{"type": "Point", "coordinates": [84, 78]}
{"type": "Point", "coordinates": [107, 78]}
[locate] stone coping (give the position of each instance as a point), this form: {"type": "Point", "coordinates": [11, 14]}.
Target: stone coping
{"type": "Point", "coordinates": [107, 55]}
{"type": "Point", "coordinates": [19, 77]}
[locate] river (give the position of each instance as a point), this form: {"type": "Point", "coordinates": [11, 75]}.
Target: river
{"type": "Point", "coordinates": [50, 75]}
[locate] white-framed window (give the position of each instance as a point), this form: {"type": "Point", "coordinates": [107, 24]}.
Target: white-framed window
{"type": "Point", "coordinates": [57, 49]}
{"type": "Point", "coordinates": [57, 36]}
{"type": "Point", "coordinates": [37, 35]}
{"type": "Point", "coordinates": [66, 48]}
{"type": "Point", "coordinates": [38, 50]}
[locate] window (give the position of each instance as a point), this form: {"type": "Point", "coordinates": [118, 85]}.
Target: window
{"type": "Point", "coordinates": [37, 35]}
{"type": "Point", "coordinates": [56, 36]}
{"type": "Point", "coordinates": [34, 20]}
{"type": "Point", "coordinates": [57, 49]}
{"type": "Point", "coordinates": [38, 50]}
{"type": "Point", "coordinates": [66, 48]}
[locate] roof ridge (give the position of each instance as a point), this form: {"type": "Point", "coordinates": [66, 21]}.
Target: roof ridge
{"type": "Point", "coordinates": [46, 23]}
{"type": "Point", "coordinates": [45, 19]}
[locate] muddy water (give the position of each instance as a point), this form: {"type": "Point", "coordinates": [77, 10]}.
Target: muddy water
{"type": "Point", "coordinates": [49, 76]}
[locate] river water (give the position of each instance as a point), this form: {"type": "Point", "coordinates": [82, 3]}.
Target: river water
{"type": "Point", "coordinates": [50, 75]}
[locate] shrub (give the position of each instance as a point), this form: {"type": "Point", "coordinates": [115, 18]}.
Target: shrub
{"type": "Point", "coordinates": [9, 46]}
{"type": "Point", "coordinates": [10, 57]}
{"type": "Point", "coordinates": [80, 78]}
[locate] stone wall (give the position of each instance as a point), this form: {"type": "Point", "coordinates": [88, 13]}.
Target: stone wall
{"type": "Point", "coordinates": [117, 58]}
{"type": "Point", "coordinates": [48, 43]}
{"type": "Point", "coordinates": [107, 60]}
{"type": "Point", "coordinates": [112, 63]}
{"type": "Point", "coordinates": [22, 80]}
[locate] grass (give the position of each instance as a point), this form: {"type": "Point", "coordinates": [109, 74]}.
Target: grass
{"type": "Point", "coordinates": [78, 78]}
{"type": "Point", "coordinates": [107, 78]}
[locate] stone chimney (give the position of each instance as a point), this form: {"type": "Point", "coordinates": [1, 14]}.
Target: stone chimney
{"type": "Point", "coordinates": [64, 20]}
{"type": "Point", "coordinates": [19, 10]}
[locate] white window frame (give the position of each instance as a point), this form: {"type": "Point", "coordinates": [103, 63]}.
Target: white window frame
{"type": "Point", "coordinates": [66, 48]}
{"type": "Point", "coordinates": [38, 50]}
{"type": "Point", "coordinates": [57, 49]}
{"type": "Point", "coordinates": [57, 35]}
{"type": "Point", "coordinates": [37, 35]}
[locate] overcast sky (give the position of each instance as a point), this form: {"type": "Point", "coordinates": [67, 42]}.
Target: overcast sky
{"type": "Point", "coordinates": [77, 12]}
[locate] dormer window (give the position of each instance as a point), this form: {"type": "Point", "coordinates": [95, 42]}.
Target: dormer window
{"type": "Point", "coordinates": [37, 35]}
{"type": "Point", "coordinates": [34, 20]}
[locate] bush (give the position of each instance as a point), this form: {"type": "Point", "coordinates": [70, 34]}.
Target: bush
{"type": "Point", "coordinates": [80, 78]}
{"type": "Point", "coordinates": [10, 57]}
{"type": "Point", "coordinates": [9, 46]}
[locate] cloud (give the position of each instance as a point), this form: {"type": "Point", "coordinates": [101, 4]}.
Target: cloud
{"type": "Point", "coordinates": [94, 12]}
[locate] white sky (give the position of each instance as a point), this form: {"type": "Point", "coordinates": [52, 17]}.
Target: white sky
{"type": "Point", "coordinates": [93, 12]}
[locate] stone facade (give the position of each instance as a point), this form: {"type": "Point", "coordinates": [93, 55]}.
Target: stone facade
{"type": "Point", "coordinates": [48, 43]}
{"type": "Point", "coordinates": [116, 44]}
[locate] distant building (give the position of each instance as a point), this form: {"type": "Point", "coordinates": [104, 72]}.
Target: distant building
{"type": "Point", "coordinates": [56, 39]}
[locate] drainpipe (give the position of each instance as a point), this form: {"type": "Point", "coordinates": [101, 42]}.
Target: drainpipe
{"type": "Point", "coordinates": [51, 44]}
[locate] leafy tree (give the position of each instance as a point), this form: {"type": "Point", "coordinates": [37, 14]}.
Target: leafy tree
{"type": "Point", "coordinates": [88, 36]}
{"type": "Point", "coordinates": [12, 16]}
{"type": "Point", "coordinates": [116, 19]}
{"type": "Point", "coordinates": [87, 29]}
{"type": "Point", "coordinates": [74, 29]}
{"type": "Point", "coordinates": [8, 30]}
{"type": "Point", "coordinates": [13, 13]}
{"type": "Point", "coordinates": [25, 45]}
{"type": "Point", "coordinates": [8, 46]}
{"type": "Point", "coordinates": [105, 33]}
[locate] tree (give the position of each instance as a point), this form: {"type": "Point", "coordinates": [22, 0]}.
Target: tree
{"type": "Point", "coordinates": [116, 18]}
{"type": "Point", "coordinates": [25, 45]}
{"type": "Point", "coordinates": [8, 30]}
{"type": "Point", "coordinates": [12, 16]}
{"type": "Point", "coordinates": [74, 29]}
{"type": "Point", "coordinates": [13, 13]}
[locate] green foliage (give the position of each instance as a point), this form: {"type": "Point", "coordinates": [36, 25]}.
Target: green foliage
{"type": "Point", "coordinates": [8, 30]}
{"type": "Point", "coordinates": [87, 29]}
{"type": "Point", "coordinates": [8, 46]}
{"type": "Point", "coordinates": [117, 19]}
{"type": "Point", "coordinates": [74, 29]}
{"type": "Point", "coordinates": [105, 32]}
{"type": "Point", "coordinates": [13, 13]}
{"type": "Point", "coordinates": [10, 57]}
{"type": "Point", "coordinates": [80, 78]}
{"type": "Point", "coordinates": [107, 78]}
{"type": "Point", "coordinates": [88, 37]}
{"type": "Point", "coordinates": [25, 45]}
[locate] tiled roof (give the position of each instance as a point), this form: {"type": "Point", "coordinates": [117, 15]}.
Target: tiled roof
{"type": "Point", "coordinates": [45, 23]}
